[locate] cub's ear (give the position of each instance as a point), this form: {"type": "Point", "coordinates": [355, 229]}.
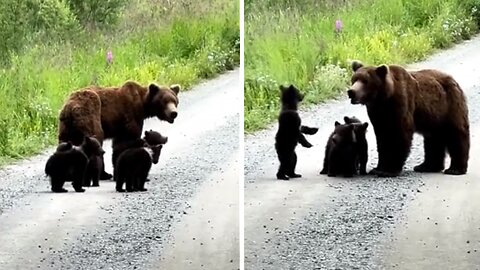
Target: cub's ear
{"type": "Point", "coordinates": [365, 125]}
{"type": "Point", "coordinates": [356, 65]}
{"type": "Point", "coordinates": [381, 71]}
{"type": "Point", "coordinates": [146, 133]}
{"type": "Point", "coordinates": [175, 88]}
{"type": "Point", "coordinates": [282, 88]}
{"type": "Point", "coordinates": [337, 123]}
{"type": "Point", "coordinates": [347, 120]}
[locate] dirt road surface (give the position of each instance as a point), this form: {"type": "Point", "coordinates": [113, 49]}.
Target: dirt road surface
{"type": "Point", "coordinates": [415, 221]}
{"type": "Point", "coordinates": [188, 218]}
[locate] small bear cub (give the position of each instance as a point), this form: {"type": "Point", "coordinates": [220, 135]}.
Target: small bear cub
{"type": "Point", "coordinates": [135, 161]}
{"type": "Point", "coordinates": [346, 152]}
{"type": "Point", "coordinates": [360, 130]}
{"type": "Point", "coordinates": [69, 162]}
{"type": "Point", "coordinates": [290, 132]}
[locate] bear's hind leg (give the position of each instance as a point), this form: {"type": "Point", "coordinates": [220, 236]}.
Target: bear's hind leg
{"type": "Point", "coordinates": [458, 146]}
{"type": "Point", "coordinates": [293, 163]}
{"type": "Point", "coordinates": [435, 151]}
{"type": "Point", "coordinates": [57, 185]}
{"type": "Point", "coordinates": [282, 169]}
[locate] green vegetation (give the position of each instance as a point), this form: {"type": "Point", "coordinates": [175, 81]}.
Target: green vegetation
{"type": "Point", "coordinates": [53, 47]}
{"type": "Point", "coordinates": [295, 42]}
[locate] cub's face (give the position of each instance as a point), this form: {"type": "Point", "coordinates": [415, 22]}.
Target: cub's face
{"type": "Point", "coordinates": [368, 83]}
{"type": "Point", "coordinates": [154, 138]}
{"type": "Point", "coordinates": [93, 146]}
{"type": "Point", "coordinates": [163, 101]}
{"type": "Point", "coordinates": [343, 134]}
{"type": "Point", "coordinates": [290, 95]}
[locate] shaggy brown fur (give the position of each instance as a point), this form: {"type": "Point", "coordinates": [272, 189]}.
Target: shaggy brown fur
{"type": "Point", "coordinates": [400, 103]}
{"type": "Point", "coordinates": [115, 112]}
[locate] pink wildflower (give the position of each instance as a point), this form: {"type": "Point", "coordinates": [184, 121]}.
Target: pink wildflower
{"type": "Point", "coordinates": [338, 26]}
{"type": "Point", "coordinates": [109, 57]}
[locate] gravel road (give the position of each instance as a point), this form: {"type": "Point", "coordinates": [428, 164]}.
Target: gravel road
{"type": "Point", "coordinates": [415, 221]}
{"type": "Point", "coordinates": [188, 218]}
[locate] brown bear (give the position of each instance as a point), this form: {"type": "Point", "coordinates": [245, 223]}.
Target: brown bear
{"type": "Point", "coordinates": [70, 163]}
{"type": "Point", "coordinates": [133, 165]}
{"type": "Point", "coordinates": [115, 112]}
{"type": "Point", "coordinates": [400, 103]}
{"type": "Point", "coordinates": [340, 152]}
{"type": "Point", "coordinates": [361, 144]}
{"type": "Point", "coordinates": [290, 132]}
{"type": "Point", "coordinates": [151, 138]}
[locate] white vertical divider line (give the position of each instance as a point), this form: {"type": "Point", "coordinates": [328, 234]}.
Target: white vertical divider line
{"type": "Point", "coordinates": [241, 151]}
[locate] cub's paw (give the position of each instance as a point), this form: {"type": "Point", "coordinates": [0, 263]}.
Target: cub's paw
{"type": "Point", "coordinates": [295, 175]}
{"type": "Point", "coordinates": [282, 177]}
{"type": "Point", "coordinates": [60, 190]}
{"type": "Point", "coordinates": [451, 171]}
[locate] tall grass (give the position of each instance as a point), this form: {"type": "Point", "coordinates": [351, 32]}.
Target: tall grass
{"type": "Point", "coordinates": [296, 42]}
{"type": "Point", "coordinates": [170, 48]}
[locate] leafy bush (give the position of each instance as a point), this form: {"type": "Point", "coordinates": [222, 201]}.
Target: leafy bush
{"type": "Point", "coordinates": [93, 13]}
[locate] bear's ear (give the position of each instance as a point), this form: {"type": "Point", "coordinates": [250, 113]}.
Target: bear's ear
{"type": "Point", "coordinates": [146, 133]}
{"type": "Point", "coordinates": [153, 89]}
{"type": "Point", "coordinates": [282, 88]}
{"type": "Point", "coordinates": [347, 120]}
{"type": "Point", "coordinates": [337, 123]}
{"type": "Point", "coordinates": [175, 88]}
{"type": "Point", "coordinates": [356, 65]}
{"type": "Point", "coordinates": [381, 71]}
{"type": "Point", "coordinates": [365, 125]}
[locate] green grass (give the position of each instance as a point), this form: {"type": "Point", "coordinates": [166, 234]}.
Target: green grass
{"type": "Point", "coordinates": [297, 43]}
{"type": "Point", "coordinates": [173, 49]}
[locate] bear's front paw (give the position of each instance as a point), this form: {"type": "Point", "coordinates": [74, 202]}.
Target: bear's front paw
{"type": "Point", "coordinates": [120, 190]}
{"type": "Point", "coordinates": [427, 168]}
{"type": "Point", "coordinates": [79, 190]}
{"type": "Point", "coordinates": [60, 190]}
{"type": "Point", "coordinates": [324, 171]}
{"type": "Point", "coordinates": [452, 171]}
{"type": "Point", "coordinates": [295, 175]}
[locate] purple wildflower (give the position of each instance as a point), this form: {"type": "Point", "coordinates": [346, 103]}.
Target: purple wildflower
{"type": "Point", "coordinates": [338, 26]}
{"type": "Point", "coordinates": [109, 57]}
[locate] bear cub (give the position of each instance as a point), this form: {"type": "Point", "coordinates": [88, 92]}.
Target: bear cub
{"type": "Point", "coordinates": [133, 166]}
{"type": "Point", "coordinates": [290, 132]}
{"type": "Point", "coordinates": [70, 162]}
{"type": "Point", "coordinates": [340, 152]}
{"type": "Point", "coordinates": [361, 144]}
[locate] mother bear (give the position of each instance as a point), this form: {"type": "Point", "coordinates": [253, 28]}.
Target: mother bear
{"type": "Point", "coordinates": [400, 103]}
{"type": "Point", "coordinates": [115, 112]}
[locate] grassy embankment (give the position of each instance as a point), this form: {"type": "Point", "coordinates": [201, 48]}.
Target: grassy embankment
{"type": "Point", "coordinates": [295, 42]}
{"type": "Point", "coordinates": [183, 43]}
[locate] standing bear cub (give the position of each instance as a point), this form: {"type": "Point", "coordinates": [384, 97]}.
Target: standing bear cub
{"type": "Point", "coordinates": [290, 132]}
{"type": "Point", "coordinates": [400, 103]}
{"type": "Point", "coordinates": [115, 112]}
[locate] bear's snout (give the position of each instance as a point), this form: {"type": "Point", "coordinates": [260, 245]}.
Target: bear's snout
{"type": "Point", "coordinates": [173, 115]}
